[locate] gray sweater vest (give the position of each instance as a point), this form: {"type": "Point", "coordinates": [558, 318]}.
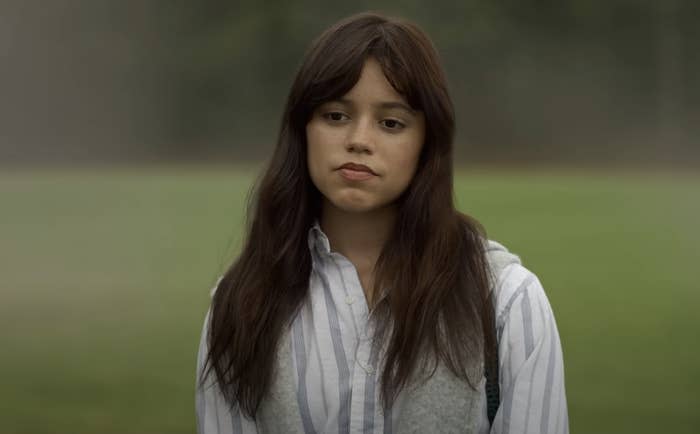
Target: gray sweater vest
{"type": "Point", "coordinates": [441, 404]}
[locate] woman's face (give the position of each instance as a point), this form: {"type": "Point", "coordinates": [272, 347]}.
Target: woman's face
{"type": "Point", "coordinates": [363, 148]}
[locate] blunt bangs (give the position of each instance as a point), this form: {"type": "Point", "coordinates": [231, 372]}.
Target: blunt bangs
{"type": "Point", "coordinates": [334, 67]}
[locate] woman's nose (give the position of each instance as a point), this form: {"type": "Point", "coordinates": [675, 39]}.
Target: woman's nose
{"type": "Point", "coordinates": [360, 138]}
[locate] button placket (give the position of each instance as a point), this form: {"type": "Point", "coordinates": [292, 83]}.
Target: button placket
{"type": "Point", "coordinates": [354, 294]}
{"type": "Point", "coordinates": [362, 384]}
{"type": "Point", "coordinates": [362, 376]}
{"type": "Point", "coordinates": [368, 368]}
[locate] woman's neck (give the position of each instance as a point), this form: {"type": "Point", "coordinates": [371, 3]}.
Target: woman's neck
{"type": "Point", "coordinates": [359, 237]}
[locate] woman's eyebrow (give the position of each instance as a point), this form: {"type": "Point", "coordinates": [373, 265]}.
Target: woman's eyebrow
{"type": "Point", "coordinates": [382, 105]}
{"type": "Point", "coordinates": [396, 105]}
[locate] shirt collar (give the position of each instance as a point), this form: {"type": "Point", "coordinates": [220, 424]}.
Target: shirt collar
{"type": "Point", "coordinates": [318, 240]}
{"type": "Point", "coordinates": [320, 246]}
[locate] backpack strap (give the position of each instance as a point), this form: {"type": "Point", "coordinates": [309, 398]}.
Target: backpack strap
{"type": "Point", "coordinates": [493, 390]}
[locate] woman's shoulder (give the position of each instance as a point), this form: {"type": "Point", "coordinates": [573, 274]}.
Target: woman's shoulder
{"type": "Point", "coordinates": [512, 283]}
{"type": "Point", "coordinates": [499, 258]}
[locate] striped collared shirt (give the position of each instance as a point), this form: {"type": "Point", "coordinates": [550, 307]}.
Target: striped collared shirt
{"type": "Point", "coordinates": [337, 387]}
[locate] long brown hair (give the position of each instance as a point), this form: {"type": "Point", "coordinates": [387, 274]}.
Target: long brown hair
{"type": "Point", "coordinates": [433, 264]}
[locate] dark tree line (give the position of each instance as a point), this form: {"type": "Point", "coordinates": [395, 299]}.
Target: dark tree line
{"type": "Point", "coordinates": [533, 80]}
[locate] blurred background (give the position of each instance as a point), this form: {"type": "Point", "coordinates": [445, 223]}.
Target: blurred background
{"type": "Point", "coordinates": [132, 131]}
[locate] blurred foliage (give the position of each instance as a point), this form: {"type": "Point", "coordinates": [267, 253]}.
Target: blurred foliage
{"type": "Point", "coordinates": [569, 81]}
{"type": "Point", "coordinates": [532, 80]}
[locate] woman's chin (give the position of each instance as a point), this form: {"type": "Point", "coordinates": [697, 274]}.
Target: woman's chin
{"type": "Point", "coordinates": [355, 207]}
{"type": "Point", "coordinates": [354, 203]}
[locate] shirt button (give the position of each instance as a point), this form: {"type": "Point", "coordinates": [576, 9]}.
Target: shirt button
{"type": "Point", "coordinates": [349, 299]}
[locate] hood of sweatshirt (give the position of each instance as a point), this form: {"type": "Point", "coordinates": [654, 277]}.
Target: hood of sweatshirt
{"type": "Point", "coordinates": [499, 258]}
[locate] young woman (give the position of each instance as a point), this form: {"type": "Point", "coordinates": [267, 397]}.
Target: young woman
{"type": "Point", "coordinates": [362, 300]}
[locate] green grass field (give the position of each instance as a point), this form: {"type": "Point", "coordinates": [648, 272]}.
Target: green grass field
{"type": "Point", "coordinates": [105, 275]}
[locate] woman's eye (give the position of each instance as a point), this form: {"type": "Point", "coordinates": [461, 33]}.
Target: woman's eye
{"type": "Point", "coordinates": [334, 116]}
{"type": "Point", "coordinates": [392, 124]}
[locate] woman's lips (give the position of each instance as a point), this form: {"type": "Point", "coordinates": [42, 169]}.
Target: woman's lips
{"type": "Point", "coordinates": [356, 172]}
{"type": "Point", "coordinates": [355, 175]}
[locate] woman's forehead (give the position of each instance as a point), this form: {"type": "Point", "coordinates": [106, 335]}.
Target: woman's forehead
{"type": "Point", "coordinates": [373, 88]}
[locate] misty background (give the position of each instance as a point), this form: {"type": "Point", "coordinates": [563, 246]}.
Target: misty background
{"type": "Point", "coordinates": [131, 133]}
{"type": "Point", "coordinates": [545, 82]}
